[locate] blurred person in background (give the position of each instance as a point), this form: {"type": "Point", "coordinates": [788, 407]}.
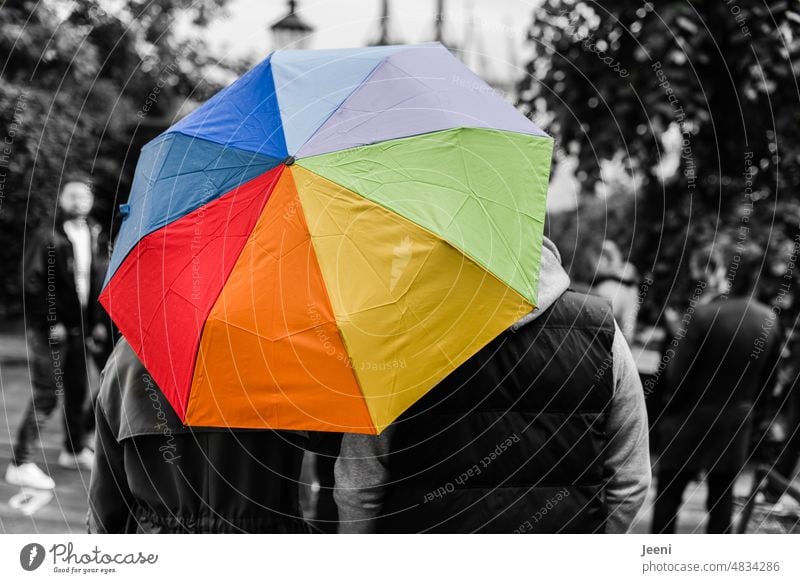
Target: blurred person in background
{"type": "Point", "coordinates": [61, 278]}
{"type": "Point", "coordinates": [618, 282]}
{"type": "Point", "coordinates": [717, 381]}
{"type": "Point", "coordinates": [543, 430]}
{"type": "Point", "coordinates": [782, 429]}
{"type": "Point", "coordinates": [154, 475]}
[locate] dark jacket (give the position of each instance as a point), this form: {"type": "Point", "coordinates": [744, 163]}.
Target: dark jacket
{"type": "Point", "coordinates": [49, 280]}
{"type": "Point", "coordinates": [721, 364]}
{"type": "Point", "coordinates": [152, 474]}
{"type": "Point", "coordinates": [514, 439]}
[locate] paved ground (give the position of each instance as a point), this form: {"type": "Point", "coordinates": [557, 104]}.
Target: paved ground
{"type": "Point", "coordinates": [65, 510]}
{"type": "Point", "coordinates": [693, 516]}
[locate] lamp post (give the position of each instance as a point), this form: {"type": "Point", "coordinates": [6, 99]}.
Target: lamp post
{"type": "Point", "coordinates": [438, 28]}
{"type": "Point", "coordinates": [291, 31]}
{"type": "Point", "coordinates": [385, 36]}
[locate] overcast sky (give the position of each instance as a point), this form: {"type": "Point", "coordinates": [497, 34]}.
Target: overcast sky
{"type": "Point", "coordinates": [343, 23]}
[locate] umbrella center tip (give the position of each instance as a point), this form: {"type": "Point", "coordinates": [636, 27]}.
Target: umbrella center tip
{"type": "Point", "coordinates": [289, 160]}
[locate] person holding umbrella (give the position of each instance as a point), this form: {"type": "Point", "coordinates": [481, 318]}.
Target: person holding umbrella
{"type": "Point", "coordinates": [544, 430]}
{"type": "Point", "coordinates": [324, 241]}
{"type": "Point", "coordinates": [154, 475]}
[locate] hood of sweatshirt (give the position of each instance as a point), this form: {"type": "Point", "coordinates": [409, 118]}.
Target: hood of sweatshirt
{"type": "Point", "coordinates": [553, 281]}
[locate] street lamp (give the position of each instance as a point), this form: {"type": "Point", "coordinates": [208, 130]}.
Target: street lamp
{"type": "Point", "coordinates": [438, 28]}
{"type": "Point", "coordinates": [291, 31]}
{"type": "Point", "coordinates": [385, 36]}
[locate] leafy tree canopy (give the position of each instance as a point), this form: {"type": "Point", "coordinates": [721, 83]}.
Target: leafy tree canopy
{"type": "Point", "coordinates": [698, 102]}
{"type": "Point", "coordinates": [83, 84]}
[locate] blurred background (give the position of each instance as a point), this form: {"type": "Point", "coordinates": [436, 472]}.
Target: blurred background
{"type": "Point", "coordinates": [676, 127]}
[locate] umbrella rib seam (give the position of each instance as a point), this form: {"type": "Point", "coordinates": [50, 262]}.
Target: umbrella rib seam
{"type": "Point", "coordinates": [346, 99]}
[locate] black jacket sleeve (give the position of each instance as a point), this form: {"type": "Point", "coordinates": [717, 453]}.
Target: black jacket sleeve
{"type": "Point", "coordinates": [680, 355]}
{"type": "Point", "coordinates": [34, 280]}
{"type": "Point", "coordinates": [768, 378]}
{"type": "Point", "coordinates": [110, 499]}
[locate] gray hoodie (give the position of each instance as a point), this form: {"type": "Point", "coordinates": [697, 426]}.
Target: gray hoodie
{"type": "Point", "coordinates": [361, 475]}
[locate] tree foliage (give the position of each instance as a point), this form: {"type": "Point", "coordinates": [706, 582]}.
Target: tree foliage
{"type": "Point", "coordinates": [82, 87]}
{"type": "Point", "coordinates": [698, 102]}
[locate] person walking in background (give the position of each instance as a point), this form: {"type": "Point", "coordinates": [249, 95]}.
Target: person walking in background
{"type": "Point", "coordinates": [716, 379]}
{"type": "Point", "coordinates": [154, 475]}
{"type": "Point", "coordinates": [618, 282]}
{"type": "Point", "coordinates": [60, 278]}
{"type": "Point", "coordinates": [543, 430]}
{"type": "Point", "coordinates": [788, 397]}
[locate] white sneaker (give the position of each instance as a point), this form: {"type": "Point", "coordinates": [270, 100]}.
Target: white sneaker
{"type": "Point", "coordinates": [82, 460]}
{"type": "Point", "coordinates": [29, 475]}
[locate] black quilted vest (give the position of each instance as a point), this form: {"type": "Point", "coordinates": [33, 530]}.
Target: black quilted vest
{"type": "Point", "coordinates": [514, 439]}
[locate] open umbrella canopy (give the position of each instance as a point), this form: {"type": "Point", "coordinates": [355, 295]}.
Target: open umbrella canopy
{"type": "Point", "coordinates": [323, 241]}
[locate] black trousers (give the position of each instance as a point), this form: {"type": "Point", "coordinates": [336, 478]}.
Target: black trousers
{"type": "Point", "coordinates": [56, 370]}
{"type": "Point", "coordinates": [790, 452]}
{"type": "Point", "coordinates": [719, 502]}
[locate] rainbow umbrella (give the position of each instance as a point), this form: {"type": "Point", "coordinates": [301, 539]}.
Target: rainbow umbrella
{"type": "Point", "coordinates": [326, 239]}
